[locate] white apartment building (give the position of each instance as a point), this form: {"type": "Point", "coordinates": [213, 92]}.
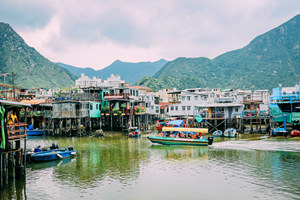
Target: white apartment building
{"type": "Point", "coordinates": [85, 81]}
{"type": "Point", "coordinates": [113, 81]}
{"type": "Point", "coordinates": [184, 103]}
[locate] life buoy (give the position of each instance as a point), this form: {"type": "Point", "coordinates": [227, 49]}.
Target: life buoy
{"type": "Point", "coordinates": [157, 124]}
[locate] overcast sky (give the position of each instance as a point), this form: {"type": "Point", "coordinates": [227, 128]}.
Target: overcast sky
{"type": "Point", "coordinates": [94, 33]}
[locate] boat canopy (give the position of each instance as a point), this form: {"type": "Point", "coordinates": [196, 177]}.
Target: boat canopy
{"type": "Point", "coordinates": [196, 130]}
{"type": "Point", "coordinates": [175, 123]}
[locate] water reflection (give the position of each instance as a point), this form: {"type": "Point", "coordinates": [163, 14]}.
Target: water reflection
{"type": "Point", "coordinates": [103, 160]}
{"type": "Point", "coordinates": [119, 167]}
{"type": "Point", "coordinates": [181, 152]}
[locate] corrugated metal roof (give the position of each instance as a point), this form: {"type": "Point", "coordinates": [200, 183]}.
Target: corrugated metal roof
{"type": "Point", "coordinates": [220, 105]}
{"type": "Point", "coordinates": [14, 104]}
{"type": "Point", "coordinates": [34, 101]}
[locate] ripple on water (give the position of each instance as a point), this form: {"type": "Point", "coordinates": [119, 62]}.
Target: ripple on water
{"type": "Point", "coordinates": [264, 145]}
{"type": "Point", "coordinates": [119, 168]}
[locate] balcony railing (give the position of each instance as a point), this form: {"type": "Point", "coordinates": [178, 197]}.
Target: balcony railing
{"type": "Point", "coordinates": [214, 115]}
{"type": "Point", "coordinates": [124, 95]}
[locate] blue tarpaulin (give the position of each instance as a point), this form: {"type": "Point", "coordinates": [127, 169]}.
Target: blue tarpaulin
{"type": "Point", "coordinates": [175, 123]}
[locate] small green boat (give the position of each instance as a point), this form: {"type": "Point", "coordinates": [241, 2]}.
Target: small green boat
{"type": "Point", "coordinates": [180, 141]}
{"type": "Point", "coordinates": [167, 137]}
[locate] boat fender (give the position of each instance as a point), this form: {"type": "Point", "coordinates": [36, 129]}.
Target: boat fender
{"type": "Point", "coordinates": [73, 153]}
{"type": "Point", "coordinates": [158, 124]}
{"type": "Point", "coordinates": [210, 140]}
{"type": "Point", "coordinates": [60, 156]}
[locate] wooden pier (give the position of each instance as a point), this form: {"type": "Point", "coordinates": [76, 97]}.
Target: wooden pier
{"type": "Point", "coordinates": [13, 145]}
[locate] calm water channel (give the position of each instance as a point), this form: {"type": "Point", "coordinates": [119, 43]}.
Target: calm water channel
{"type": "Point", "coordinates": [118, 167]}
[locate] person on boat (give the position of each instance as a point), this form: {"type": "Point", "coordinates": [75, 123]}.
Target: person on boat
{"type": "Point", "coordinates": [171, 135]}
{"type": "Point", "coordinates": [54, 146]}
{"type": "Point", "coordinates": [199, 136]}
{"type": "Point", "coordinates": [136, 132]}
{"type": "Point", "coordinates": [189, 135]}
{"type": "Point", "coordinates": [13, 118]}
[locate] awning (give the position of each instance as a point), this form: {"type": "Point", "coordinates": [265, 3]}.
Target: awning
{"type": "Point", "coordinates": [175, 123]}
{"type": "Point", "coordinates": [219, 105]}
{"type": "Point", "coordinates": [14, 104]}
{"type": "Point", "coordinates": [196, 130]}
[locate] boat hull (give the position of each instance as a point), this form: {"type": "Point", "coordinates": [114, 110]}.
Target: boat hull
{"type": "Point", "coordinates": [136, 135]}
{"type": "Point", "coordinates": [55, 154]}
{"type": "Point", "coordinates": [178, 141]}
{"type": "Point", "coordinates": [295, 133]}
{"type": "Point", "coordinates": [230, 132]}
{"type": "Point", "coordinates": [217, 133]}
{"type": "Point", "coordinates": [35, 132]}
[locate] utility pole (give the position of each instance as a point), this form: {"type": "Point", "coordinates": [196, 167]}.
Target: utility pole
{"type": "Point", "coordinates": [13, 84]}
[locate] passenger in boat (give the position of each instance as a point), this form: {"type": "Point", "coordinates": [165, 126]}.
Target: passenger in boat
{"type": "Point", "coordinates": [171, 135]}
{"type": "Point", "coordinates": [54, 146]}
{"type": "Point", "coordinates": [167, 134]}
{"type": "Point", "coordinates": [160, 135]}
{"type": "Point", "coordinates": [13, 118]}
{"type": "Point", "coordinates": [199, 136]}
{"type": "Point", "coordinates": [190, 135]}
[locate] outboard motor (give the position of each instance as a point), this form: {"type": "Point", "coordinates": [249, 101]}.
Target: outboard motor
{"type": "Point", "coordinates": [210, 140]}
{"type": "Point", "coordinates": [70, 148]}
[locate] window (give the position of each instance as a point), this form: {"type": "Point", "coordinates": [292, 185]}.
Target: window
{"type": "Point", "coordinates": [189, 108]}
{"type": "Point", "coordinates": [130, 92]}
{"type": "Point", "coordinates": [176, 107]}
{"type": "Point", "coordinates": [183, 107]}
{"type": "Point", "coordinates": [152, 107]}
{"type": "Point", "coordinates": [133, 93]}
{"type": "Point", "coordinates": [183, 98]}
{"type": "Point", "coordinates": [236, 110]}
{"type": "Point", "coordinates": [172, 107]}
{"type": "Point", "coordinates": [137, 93]}
{"type": "Point", "coordinates": [157, 107]}
{"type": "Point", "coordinates": [97, 107]}
{"type": "Point", "coordinates": [196, 98]}
{"type": "Point", "coordinates": [91, 106]}
{"type": "Point", "coordinates": [188, 98]}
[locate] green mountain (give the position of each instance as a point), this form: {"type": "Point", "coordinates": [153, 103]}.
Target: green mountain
{"type": "Point", "coordinates": [77, 71]}
{"type": "Point", "coordinates": [269, 59]}
{"type": "Point", "coordinates": [31, 69]}
{"type": "Point", "coordinates": [130, 72]}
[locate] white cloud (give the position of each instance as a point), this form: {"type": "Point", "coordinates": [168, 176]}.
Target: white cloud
{"type": "Point", "coordinates": [94, 33]}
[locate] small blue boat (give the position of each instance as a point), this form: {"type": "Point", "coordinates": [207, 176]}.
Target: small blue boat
{"type": "Point", "coordinates": [35, 132]}
{"type": "Point", "coordinates": [54, 154]}
{"type": "Point", "coordinates": [135, 132]}
{"type": "Point", "coordinates": [230, 132]}
{"type": "Point", "coordinates": [217, 133]}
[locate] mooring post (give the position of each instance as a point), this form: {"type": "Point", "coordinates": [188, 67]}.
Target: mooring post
{"type": "Point", "coordinates": [1, 169]}
{"type": "Point", "coordinates": [111, 122]}
{"type": "Point", "coordinates": [60, 127]}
